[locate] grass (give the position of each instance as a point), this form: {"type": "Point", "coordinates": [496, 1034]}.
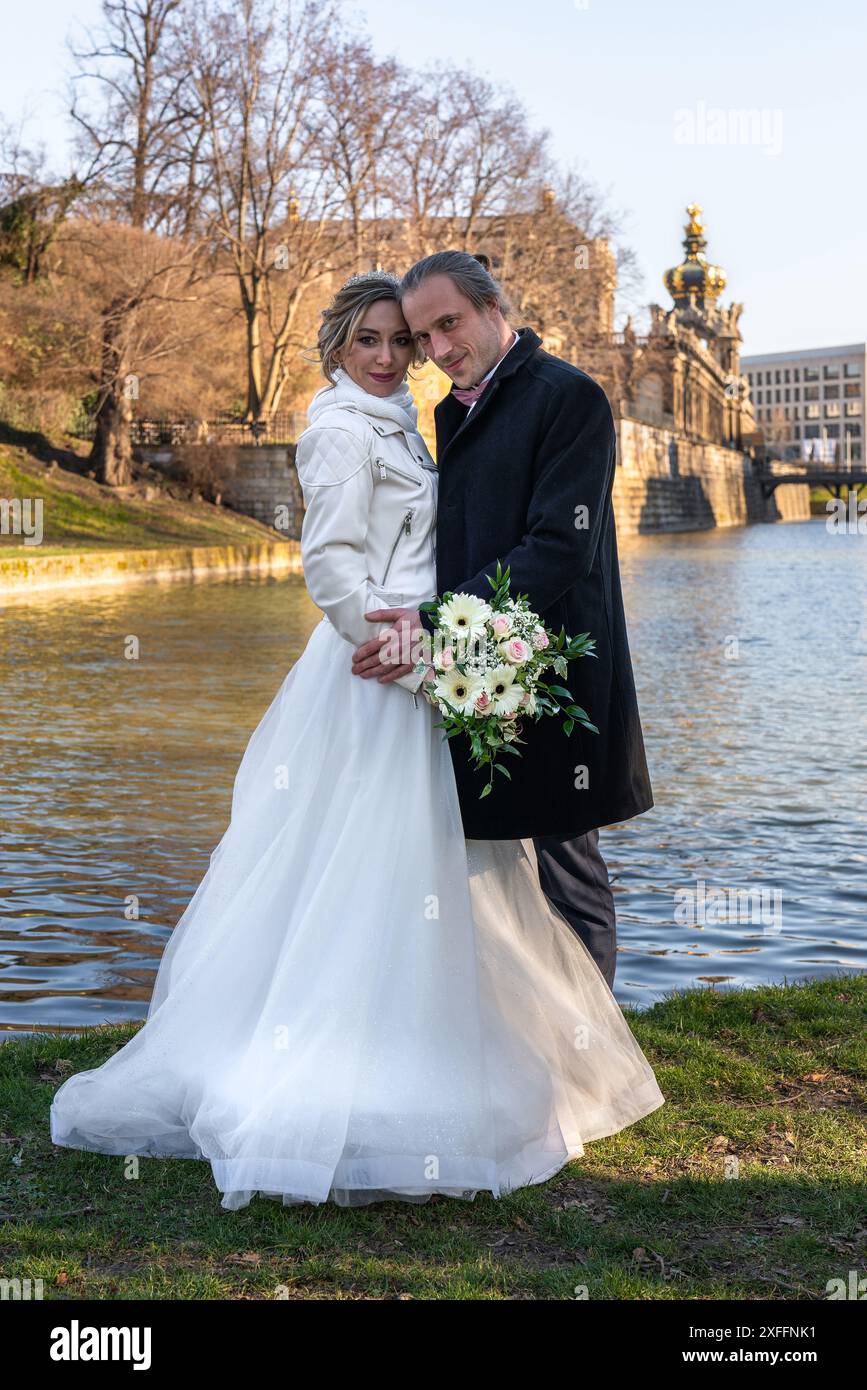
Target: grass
{"type": "Point", "coordinates": [766, 1084]}
{"type": "Point", "coordinates": [80, 514]}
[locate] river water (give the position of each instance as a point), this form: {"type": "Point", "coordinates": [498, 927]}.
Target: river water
{"type": "Point", "coordinates": [750, 655]}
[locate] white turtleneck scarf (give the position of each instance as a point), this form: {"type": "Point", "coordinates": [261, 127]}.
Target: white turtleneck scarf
{"type": "Point", "coordinates": [399, 406]}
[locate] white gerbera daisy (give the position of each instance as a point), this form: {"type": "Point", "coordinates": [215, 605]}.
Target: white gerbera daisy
{"type": "Point", "coordinates": [465, 615]}
{"type": "Point", "coordinates": [460, 691]}
{"type": "Point", "coordinates": [504, 690]}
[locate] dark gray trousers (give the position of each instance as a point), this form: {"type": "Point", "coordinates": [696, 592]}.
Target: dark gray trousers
{"type": "Point", "coordinates": [574, 877]}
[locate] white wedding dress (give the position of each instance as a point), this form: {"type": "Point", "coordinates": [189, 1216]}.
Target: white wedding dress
{"type": "Point", "coordinates": [357, 1002]}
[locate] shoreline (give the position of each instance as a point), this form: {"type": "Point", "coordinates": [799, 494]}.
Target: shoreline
{"type": "Point", "coordinates": [23, 576]}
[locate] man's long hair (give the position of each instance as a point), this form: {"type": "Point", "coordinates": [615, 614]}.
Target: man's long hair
{"type": "Point", "coordinates": [471, 275]}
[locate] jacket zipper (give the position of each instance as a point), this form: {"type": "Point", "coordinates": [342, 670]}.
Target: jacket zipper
{"type": "Point", "coordinates": [398, 472]}
{"type": "Point", "coordinates": [405, 529]}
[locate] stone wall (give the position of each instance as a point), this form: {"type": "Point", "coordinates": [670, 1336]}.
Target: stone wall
{"type": "Point", "coordinates": [26, 574]}
{"type": "Point", "coordinates": [666, 483]}
{"type": "Point", "coordinates": [260, 481]}
{"type": "Point", "coordinates": [266, 486]}
{"type": "Point", "coordinates": [662, 483]}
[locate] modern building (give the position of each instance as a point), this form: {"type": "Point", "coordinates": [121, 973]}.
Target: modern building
{"type": "Point", "coordinates": [810, 404]}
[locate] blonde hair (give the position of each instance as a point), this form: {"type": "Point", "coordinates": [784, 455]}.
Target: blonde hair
{"type": "Point", "coordinates": [343, 317]}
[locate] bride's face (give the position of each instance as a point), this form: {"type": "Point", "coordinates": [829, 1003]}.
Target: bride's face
{"type": "Point", "coordinates": [379, 357]}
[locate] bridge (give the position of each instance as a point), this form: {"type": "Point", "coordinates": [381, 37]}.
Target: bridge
{"type": "Point", "coordinates": [838, 478]}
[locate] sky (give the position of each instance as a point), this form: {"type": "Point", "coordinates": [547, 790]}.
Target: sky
{"type": "Point", "coordinates": [644, 100]}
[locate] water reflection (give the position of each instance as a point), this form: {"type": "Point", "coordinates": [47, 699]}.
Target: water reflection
{"type": "Point", "coordinates": [750, 651]}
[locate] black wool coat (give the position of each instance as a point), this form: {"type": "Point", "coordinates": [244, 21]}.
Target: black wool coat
{"type": "Point", "coordinates": [514, 476]}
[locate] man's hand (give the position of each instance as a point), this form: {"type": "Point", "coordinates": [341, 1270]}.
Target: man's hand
{"type": "Point", "coordinates": [395, 652]}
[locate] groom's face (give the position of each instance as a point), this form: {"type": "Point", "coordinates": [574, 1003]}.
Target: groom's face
{"type": "Point", "coordinates": [464, 342]}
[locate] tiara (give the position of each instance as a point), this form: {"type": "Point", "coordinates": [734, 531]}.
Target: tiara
{"type": "Point", "coordinates": [376, 276]}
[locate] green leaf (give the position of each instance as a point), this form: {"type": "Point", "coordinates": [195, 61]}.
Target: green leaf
{"type": "Point", "coordinates": [488, 786]}
{"type": "Point", "coordinates": [568, 725]}
{"type": "Point", "coordinates": [501, 767]}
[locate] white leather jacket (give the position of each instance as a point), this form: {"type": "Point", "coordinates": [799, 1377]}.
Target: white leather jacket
{"type": "Point", "coordinates": [370, 491]}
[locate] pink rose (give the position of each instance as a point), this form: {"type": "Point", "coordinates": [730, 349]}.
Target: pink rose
{"type": "Point", "coordinates": [540, 639]}
{"type": "Point", "coordinates": [447, 659]}
{"type": "Point", "coordinates": [501, 624]}
{"type": "Point", "coordinates": [483, 702]}
{"type": "Point", "coordinates": [516, 651]}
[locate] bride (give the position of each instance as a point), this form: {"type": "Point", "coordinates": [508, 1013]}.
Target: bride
{"type": "Point", "coordinates": [359, 1003]}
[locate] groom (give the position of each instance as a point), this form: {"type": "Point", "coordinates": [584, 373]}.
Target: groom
{"type": "Point", "coordinates": [525, 451]}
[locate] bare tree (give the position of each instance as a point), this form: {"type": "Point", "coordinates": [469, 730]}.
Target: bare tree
{"type": "Point", "coordinates": [131, 297]}
{"type": "Point", "coordinates": [499, 155]}
{"type": "Point", "coordinates": [129, 106]}
{"type": "Point", "coordinates": [562, 263]}
{"type": "Point", "coordinates": [33, 204]}
{"type": "Point", "coordinates": [261, 144]}
{"type": "Point", "coordinates": [259, 69]}
{"type": "Point", "coordinates": [465, 159]}
{"type": "Point", "coordinates": [129, 110]}
{"type": "Point", "coordinates": [362, 104]}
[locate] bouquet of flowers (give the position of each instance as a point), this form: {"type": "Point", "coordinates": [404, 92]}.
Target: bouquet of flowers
{"type": "Point", "coordinates": [489, 659]}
